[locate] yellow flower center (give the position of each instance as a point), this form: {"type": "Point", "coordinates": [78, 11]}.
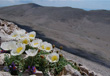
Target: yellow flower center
{"type": "Point", "coordinates": [31, 35]}
{"type": "Point", "coordinates": [42, 46]}
{"type": "Point", "coordinates": [14, 35]}
{"type": "Point", "coordinates": [19, 49]}
{"type": "Point", "coordinates": [48, 48]}
{"type": "Point", "coordinates": [22, 36]}
{"type": "Point", "coordinates": [53, 58]}
{"type": "Point", "coordinates": [32, 51]}
{"type": "Point", "coordinates": [25, 41]}
{"type": "Point", "coordinates": [35, 43]}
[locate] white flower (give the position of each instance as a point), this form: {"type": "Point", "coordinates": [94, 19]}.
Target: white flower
{"type": "Point", "coordinates": [20, 31]}
{"type": "Point", "coordinates": [19, 49]}
{"type": "Point", "coordinates": [8, 45]}
{"type": "Point", "coordinates": [36, 43]}
{"type": "Point", "coordinates": [23, 36]}
{"type": "Point", "coordinates": [31, 52]}
{"type": "Point", "coordinates": [43, 45]}
{"type": "Point", "coordinates": [53, 57]}
{"type": "Point", "coordinates": [32, 35]}
{"type": "Point", "coordinates": [17, 34]}
{"type": "Point", "coordinates": [14, 35]}
{"type": "Point", "coordinates": [46, 46]}
{"type": "Point", "coordinates": [25, 41]}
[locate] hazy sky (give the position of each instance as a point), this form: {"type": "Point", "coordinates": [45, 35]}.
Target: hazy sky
{"type": "Point", "coordinates": [85, 4]}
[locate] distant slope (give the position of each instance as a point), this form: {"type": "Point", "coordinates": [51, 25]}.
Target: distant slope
{"type": "Point", "coordinates": [83, 33]}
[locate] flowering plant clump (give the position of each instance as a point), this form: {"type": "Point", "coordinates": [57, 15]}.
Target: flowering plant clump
{"type": "Point", "coordinates": [31, 54]}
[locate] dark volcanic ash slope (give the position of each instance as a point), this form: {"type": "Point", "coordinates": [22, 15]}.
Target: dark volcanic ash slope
{"type": "Point", "coordinates": [83, 33]}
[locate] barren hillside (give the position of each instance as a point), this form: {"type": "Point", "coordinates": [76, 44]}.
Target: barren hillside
{"type": "Point", "coordinates": [83, 33]}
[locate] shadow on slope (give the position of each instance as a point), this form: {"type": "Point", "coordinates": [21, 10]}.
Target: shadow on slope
{"type": "Point", "coordinates": [76, 51]}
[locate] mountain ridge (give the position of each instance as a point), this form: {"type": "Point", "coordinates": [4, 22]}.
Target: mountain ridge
{"type": "Point", "coordinates": [70, 12]}
{"type": "Point", "coordinates": [85, 9]}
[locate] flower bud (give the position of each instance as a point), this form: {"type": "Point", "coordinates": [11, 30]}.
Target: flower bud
{"type": "Point", "coordinates": [39, 50]}
{"type": "Point", "coordinates": [61, 47]}
{"type": "Point", "coordinates": [31, 40]}
{"type": "Point", "coordinates": [53, 46]}
{"type": "Point", "coordinates": [51, 51]}
{"type": "Point", "coordinates": [57, 51]}
{"type": "Point", "coordinates": [80, 64]}
{"type": "Point", "coordinates": [79, 69]}
{"type": "Point", "coordinates": [61, 55]}
{"type": "Point", "coordinates": [41, 56]}
{"type": "Point", "coordinates": [82, 73]}
{"type": "Point", "coordinates": [75, 64]}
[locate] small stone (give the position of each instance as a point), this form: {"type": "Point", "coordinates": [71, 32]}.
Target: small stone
{"type": "Point", "coordinates": [84, 74]}
{"type": "Point", "coordinates": [72, 71]}
{"type": "Point", "coordinates": [1, 59]}
{"type": "Point", "coordinates": [2, 56]}
{"type": "Point", "coordinates": [5, 73]}
{"type": "Point", "coordinates": [91, 73]}
{"type": "Point", "coordinates": [39, 73]}
{"type": "Point", "coordinates": [84, 69]}
{"type": "Point", "coordinates": [32, 75]}
{"type": "Point", "coordinates": [6, 28]}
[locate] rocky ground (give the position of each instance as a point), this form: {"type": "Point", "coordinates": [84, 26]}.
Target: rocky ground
{"type": "Point", "coordinates": [83, 33]}
{"type": "Point", "coordinates": [7, 27]}
{"type": "Point", "coordinates": [88, 67]}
